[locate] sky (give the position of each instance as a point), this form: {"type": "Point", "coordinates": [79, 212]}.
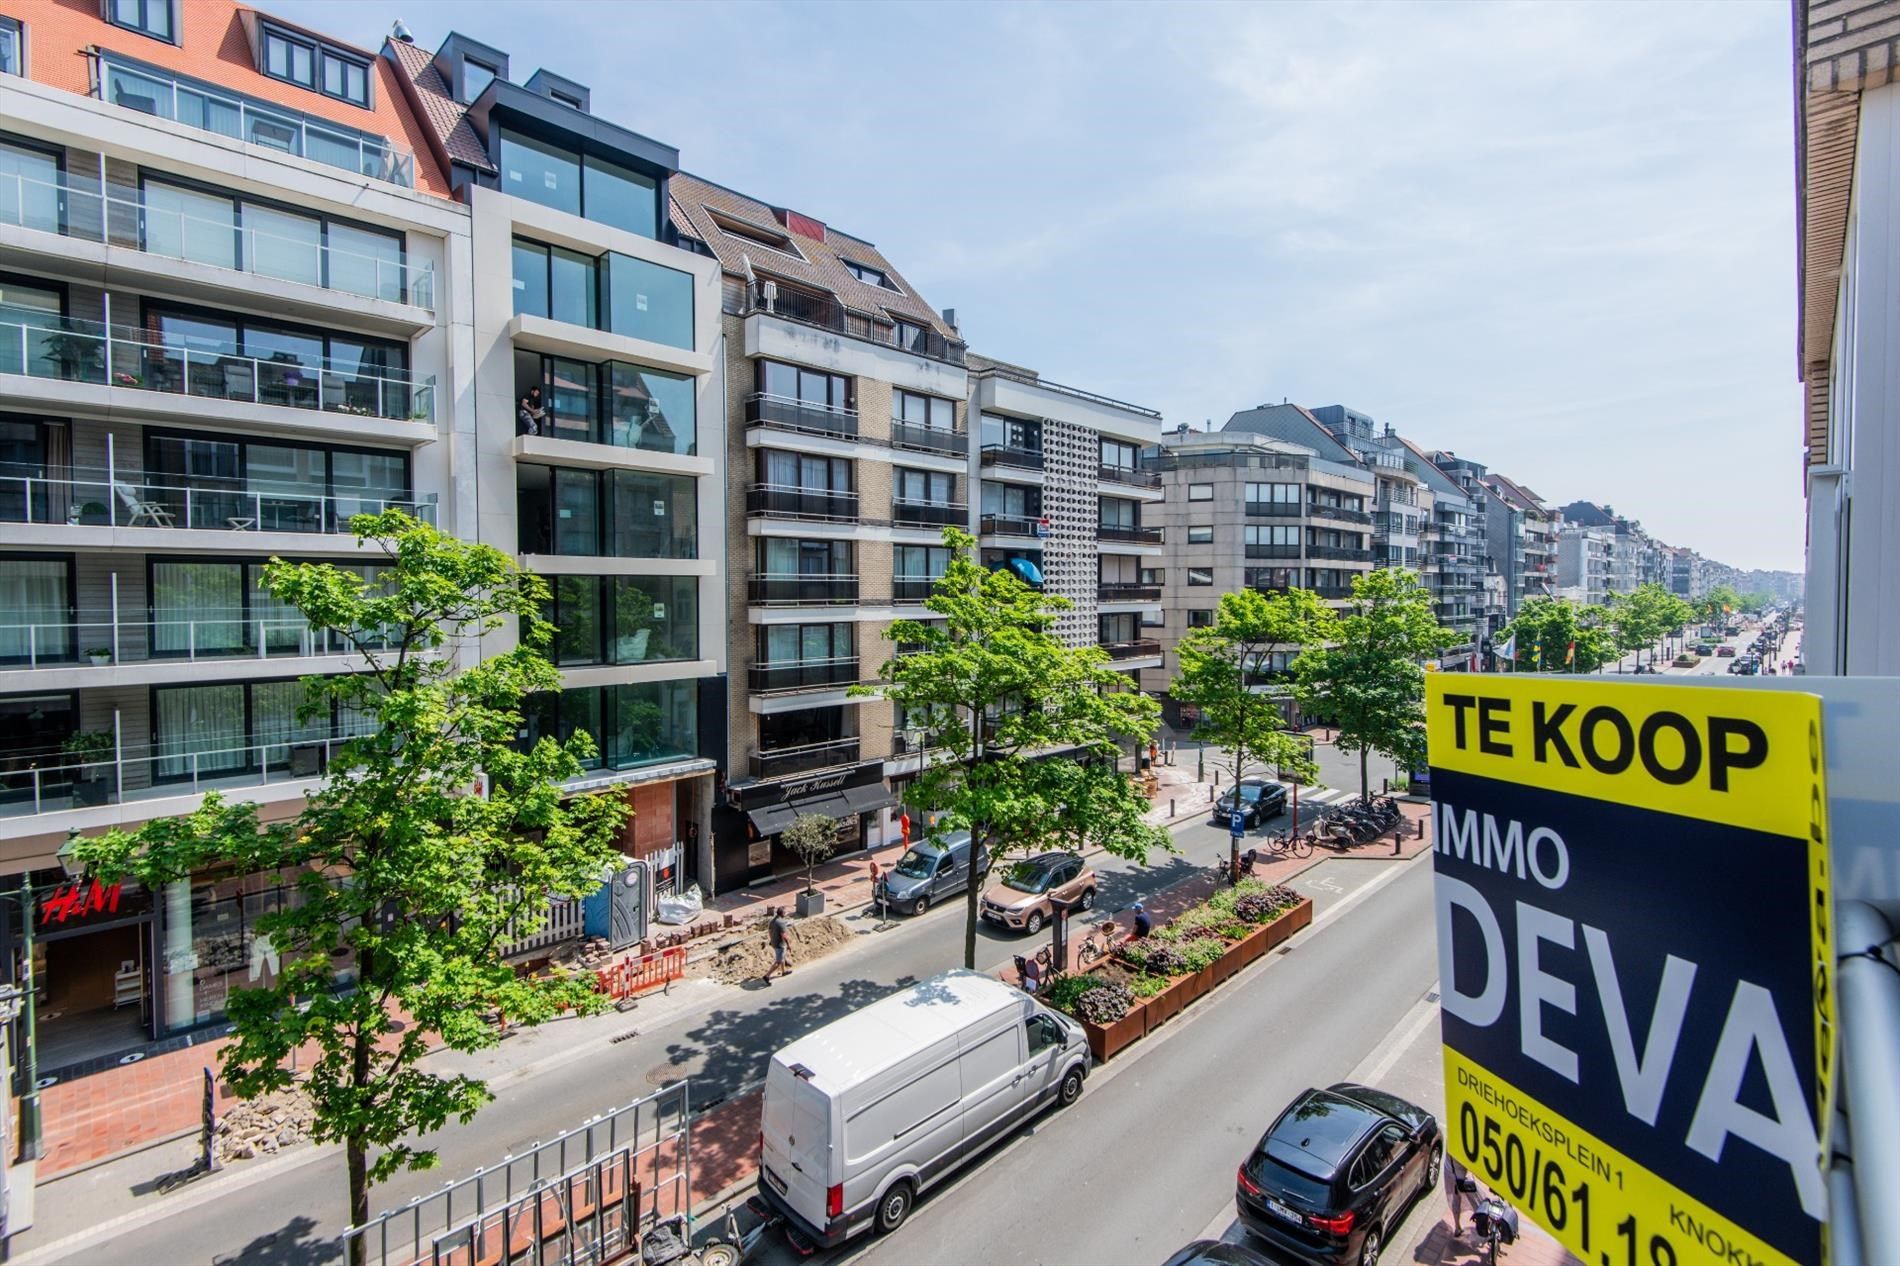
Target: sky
{"type": "Point", "coordinates": [1554, 238]}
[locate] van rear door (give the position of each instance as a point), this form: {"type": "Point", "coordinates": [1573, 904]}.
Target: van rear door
{"type": "Point", "coordinates": [796, 1153]}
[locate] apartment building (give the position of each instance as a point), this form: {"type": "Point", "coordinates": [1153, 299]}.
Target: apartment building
{"type": "Point", "coordinates": [1531, 542]}
{"type": "Point", "coordinates": [1243, 510]}
{"type": "Point", "coordinates": [595, 346]}
{"type": "Point", "coordinates": [1452, 554]}
{"type": "Point", "coordinates": [233, 291]}
{"type": "Point", "coordinates": [1586, 562]}
{"type": "Point", "coordinates": [1492, 543]}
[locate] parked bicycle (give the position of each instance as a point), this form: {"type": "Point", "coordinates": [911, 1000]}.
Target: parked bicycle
{"type": "Point", "coordinates": [1288, 844]}
{"type": "Point", "coordinates": [1100, 942]}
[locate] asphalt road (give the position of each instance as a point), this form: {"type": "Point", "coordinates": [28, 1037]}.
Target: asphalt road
{"type": "Point", "coordinates": [1145, 1160]}
{"type": "Point", "coordinates": [292, 1218]}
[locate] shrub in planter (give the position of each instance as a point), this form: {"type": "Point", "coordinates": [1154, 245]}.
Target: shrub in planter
{"type": "Point", "coordinates": [1202, 951]}
{"type": "Point", "coordinates": [1106, 1003]}
{"type": "Point", "coordinates": [1062, 992]}
{"type": "Point", "coordinates": [1157, 958]}
{"type": "Point", "coordinates": [1255, 907]}
{"type": "Point", "coordinates": [1146, 986]}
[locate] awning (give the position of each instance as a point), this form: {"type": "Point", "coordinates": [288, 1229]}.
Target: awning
{"type": "Point", "coordinates": [833, 805]}
{"type": "Point", "coordinates": [870, 797]}
{"type": "Point", "coordinates": [772, 819]}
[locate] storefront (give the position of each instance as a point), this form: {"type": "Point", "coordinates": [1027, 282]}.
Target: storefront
{"type": "Point", "coordinates": [747, 826]}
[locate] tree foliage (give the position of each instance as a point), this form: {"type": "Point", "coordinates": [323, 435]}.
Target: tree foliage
{"type": "Point", "coordinates": [1545, 628]}
{"type": "Point", "coordinates": [1371, 680]}
{"type": "Point", "coordinates": [399, 869]}
{"type": "Point", "coordinates": [812, 837]}
{"type": "Point", "coordinates": [1641, 618]}
{"type": "Point", "coordinates": [1715, 606]}
{"type": "Point", "coordinates": [1030, 730]}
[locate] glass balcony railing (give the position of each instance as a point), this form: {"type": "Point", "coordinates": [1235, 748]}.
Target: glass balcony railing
{"type": "Point", "coordinates": [151, 90]}
{"type": "Point", "coordinates": [107, 639]}
{"type": "Point", "coordinates": [780, 501]}
{"type": "Point", "coordinates": [88, 215]}
{"type": "Point", "coordinates": [780, 761]}
{"type": "Point", "coordinates": [65, 349]}
{"type": "Point", "coordinates": [804, 674]}
{"type": "Point", "coordinates": [1137, 649]}
{"type": "Point", "coordinates": [1132, 534]}
{"type": "Point", "coordinates": [1114, 591]}
{"type": "Point", "coordinates": [56, 779]}
{"type": "Point", "coordinates": [800, 588]}
{"type": "Point", "coordinates": [1012, 525]}
{"type": "Point", "coordinates": [1006, 455]}
{"type": "Point", "coordinates": [800, 415]}
{"type": "Point", "coordinates": [1134, 476]}
{"type": "Point", "coordinates": [97, 498]}
{"type": "Point", "coordinates": [930, 439]}
{"type": "Point", "coordinates": [929, 513]}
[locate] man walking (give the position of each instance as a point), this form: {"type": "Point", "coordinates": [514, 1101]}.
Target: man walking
{"type": "Point", "coordinates": [777, 932]}
{"type": "Point", "coordinates": [1454, 1176]}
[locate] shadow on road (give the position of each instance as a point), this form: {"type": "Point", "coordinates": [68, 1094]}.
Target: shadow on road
{"type": "Point", "coordinates": [293, 1245]}
{"type": "Point", "coordinates": [729, 1050]}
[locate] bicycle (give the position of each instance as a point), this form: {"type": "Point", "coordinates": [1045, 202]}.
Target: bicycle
{"type": "Point", "coordinates": [1100, 942]}
{"type": "Point", "coordinates": [1287, 844]}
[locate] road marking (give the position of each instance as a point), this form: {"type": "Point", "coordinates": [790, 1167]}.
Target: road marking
{"type": "Point", "coordinates": [1324, 883]}
{"type": "Point", "coordinates": [1380, 1060]}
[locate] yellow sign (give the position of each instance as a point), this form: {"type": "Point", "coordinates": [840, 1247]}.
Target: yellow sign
{"type": "Point", "coordinates": [1634, 957]}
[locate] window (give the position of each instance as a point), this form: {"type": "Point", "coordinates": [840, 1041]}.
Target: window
{"type": "Point", "coordinates": [1024, 434]}
{"type": "Point", "coordinates": [1114, 512]}
{"type": "Point", "coordinates": [286, 487]}
{"type": "Point", "coordinates": [756, 234]}
{"type": "Point", "coordinates": [623, 619]}
{"type": "Point", "coordinates": [806, 386]}
{"type": "Point", "coordinates": [1020, 501]}
{"type": "Point", "coordinates": [1201, 618]}
{"type": "Point", "coordinates": [11, 60]}
{"type": "Point", "coordinates": [616, 403]}
{"type": "Point", "coordinates": [806, 643]}
{"type": "Point", "coordinates": [1200, 576]}
{"type": "Point", "coordinates": [1200, 535]}
{"type": "Point", "coordinates": [779, 556]}
{"type": "Point", "coordinates": [610, 513]}
{"type": "Point", "coordinates": [802, 470]}
{"type": "Point", "coordinates": [910, 336]}
{"type": "Point", "coordinates": [868, 275]}
{"type": "Point", "coordinates": [1200, 492]}
{"type": "Point", "coordinates": [645, 300]}
{"type": "Point", "coordinates": [919, 562]}
{"type": "Point", "coordinates": [558, 284]}
{"type": "Point", "coordinates": [1120, 455]}
{"type": "Point", "coordinates": [932, 412]}
{"type": "Point", "coordinates": [476, 76]}
{"type": "Point", "coordinates": [303, 61]}
{"type": "Point", "coordinates": [926, 487]}
{"type": "Point", "coordinates": [632, 725]}
{"type": "Point", "coordinates": [1122, 626]}
{"type": "Point", "coordinates": [30, 192]}
{"type": "Point", "coordinates": [594, 188]}
{"type": "Point", "coordinates": [290, 59]}
{"type": "Point", "coordinates": [148, 17]}
{"type": "Point", "coordinates": [1042, 1032]}
{"type": "Point", "coordinates": [36, 592]}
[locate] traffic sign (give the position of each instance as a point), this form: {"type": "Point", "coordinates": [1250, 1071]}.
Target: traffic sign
{"type": "Point", "coordinates": [1634, 955]}
{"type": "Point", "coordinates": [1237, 823]}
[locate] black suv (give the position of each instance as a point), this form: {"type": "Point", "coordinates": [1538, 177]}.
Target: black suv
{"type": "Point", "coordinates": [1336, 1172]}
{"type": "Point", "coordinates": [1260, 801]}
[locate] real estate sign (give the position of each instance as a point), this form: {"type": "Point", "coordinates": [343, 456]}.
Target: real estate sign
{"type": "Point", "coordinates": [1634, 954]}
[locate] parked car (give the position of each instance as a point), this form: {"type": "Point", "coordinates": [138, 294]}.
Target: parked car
{"type": "Point", "coordinates": [1686, 661]}
{"type": "Point", "coordinates": [869, 1112]}
{"type": "Point", "coordinates": [1746, 666]}
{"type": "Point", "coordinates": [1021, 900]}
{"type": "Point", "coordinates": [1725, 651]}
{"type": "Point", "coordinates": [931, 870]}
{"type": "Point", "coordinates": [1215, 1253]}
{"type": "Point", "coordinates": [1260, 800]}
{"type": "Point", "coordinates": [1335, 1173]}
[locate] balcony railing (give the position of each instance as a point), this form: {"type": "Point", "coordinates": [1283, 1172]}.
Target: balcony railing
{"type": "Point", "coordinates": [150, 90]}
{"type": "Point", "coordinates": [66, 349]}
{"type": "Point", "coordinates": [1331, 592]}
{"type": "Point", "coordinates": [781, 501]}
{"type": "Point", "coordinates": [930, 513]}
{"type": "Point", "coordinates": [1275, 509]}
{"type": "Point", "coordinates": [1133, 534]}
{"type": "Point", "coordinates": [1338, 513]}
{"type": "Point", "coordinates": [1109, 591]}
{"type": "Point", "coordinates": [800, 415]}
{"type": "Point", "coordinates": [828, 313]}
{"type": "Point", "coordinates": [1273, 551]}
{"type": "Point", "coordinates": [52, 780]}
{"type": "Point", "coordinates": [929, 439]}
{"type": "Point", "coordinates": [912, 742]}
{"type": "Point", "coordinates": [804, 674]}
{"type": "Point", "coordinates": [780, 761]}
{"type": "Point", "coordinates": [1006, 455]}
{"type": "Point", "coordinates": [88, 215]}
{"type": "Point", "coordinates": [1011, 525]}
{"type": "Point", "coordinates": [912, 589]}
{"type": "Point", "coordinates": [1339, 552]}
{"type": "Point", "coordinates": [800, 589]}
{"type": "Point", "coordinates": [1133, 476]}
{"type": "Point", "coordinates": [1137, 649]}
{"type": "Point", "coordinates": [106, 638]}
{"type": "Point", "coordinates": [98, 498]}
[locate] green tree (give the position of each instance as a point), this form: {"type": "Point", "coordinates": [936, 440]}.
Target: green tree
{"type": "Point", "coordinates": [1546, 627]}
{"type": "Point", "coordinates": [1371, 680]}
{"type": "Point", "coordinates": [400, 869]}
{"type": "Point", "coordinates": [1224, 672]}
{"type": "Point", "coordinates": [1639, 619]}
{"type": "Point", "coordinates": [813, 837]}
{"type": "Point", "coordinates": [1718, 604]}
{"type": "Point", "coordinates": [1031, 729]}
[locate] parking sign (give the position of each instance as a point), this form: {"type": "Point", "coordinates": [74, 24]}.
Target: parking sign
{"type": "Point", "coordinates": [1237, 823]}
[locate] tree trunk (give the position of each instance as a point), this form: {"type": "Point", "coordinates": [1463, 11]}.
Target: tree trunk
{"type": "Point", "coordinates": [1365, 781]}
{"type": "Point", "coordinates": [356, 1158]}
{"type": "Point", "coordinates": [974, 895]}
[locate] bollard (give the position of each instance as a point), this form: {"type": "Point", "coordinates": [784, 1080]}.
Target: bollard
{"type": "Point", "coordinates": [1421, 828]}
{"type": "Point", "coordinates": [1170, 806]}
{"type": "Point", "coordinates": [1398, 834]}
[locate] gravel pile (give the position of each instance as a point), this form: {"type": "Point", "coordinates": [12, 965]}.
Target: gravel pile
{"type": "Point", "coordinates": [264, 1127]}
{"type": "Point", "coordinates": [747, 957]}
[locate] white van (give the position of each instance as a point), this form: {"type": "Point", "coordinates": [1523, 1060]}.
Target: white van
{"type": "Point", "coordinates": [866, 1113]}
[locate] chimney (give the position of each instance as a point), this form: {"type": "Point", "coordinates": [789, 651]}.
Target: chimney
{"type": "Point", "coordinates": [950, 317]}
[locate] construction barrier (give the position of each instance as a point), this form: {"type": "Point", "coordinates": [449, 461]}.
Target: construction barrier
{"type": "Point", "coordinates": [633, 976]}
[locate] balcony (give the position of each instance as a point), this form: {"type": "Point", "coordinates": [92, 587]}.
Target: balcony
{"type": "Point", "coordinates": [1013, 525]}
{"type": "Point", "coordinates": [128, 223]}
{"type": "Point", "coordinates": [1273, 551]}
{"type": "Point", "coordinates": [1005, 455]}
{"type": "Point", "coordinates": [804, 674]}
{"type": "Point", "coordinates": [1339, 552]}
{"type": "Point", "coordinates": [826, 312]}
{"type": "Point", "coordinates": [800, 589]}
{"type": "Point", "coordinates": [799, 415]}
{"type": "Point", "coordinates": [778, 762]}
{"type": "Point", "coordinates": [65, 349]}
{"type": "Point", "coordinates": [1132, 534]}
{"type": "Point", "coordinates": [912, 743]}
{"type": "Point", "coordinates": [150, 90]}
{"type": "Point", "coordinates": [785, 502]}
{"type": "Point", "coordinates": [1140, 648]}
{"type": "Point", "coordinates": [104, 639]}
{"type": "Point", "coordinates": [912, 590]}
{"type": "Point", "coordinates": [1332, 593]}
{"type": "Point", "coordinates": [1133, 476]}
{"type": "Point", "coordinates": [126, 773]}
{"type": "Point", "coordinates": [1275, 509]}
{"type": "Point", "coordinates": [1338, 514]}
{"type": "Point", "coordinates": [97, 498]}
{"type": "Point", "coordinates": [1108, 591]}
{"type": "Point", "coordinates": [929, 439]}
{"type": "Point", "coordinates": [930, 513]}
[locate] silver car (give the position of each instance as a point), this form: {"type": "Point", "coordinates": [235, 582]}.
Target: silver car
{"type": "Point", "coordinates": [930, 871]}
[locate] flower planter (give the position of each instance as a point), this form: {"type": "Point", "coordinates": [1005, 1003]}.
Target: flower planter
{"type": "Point", "coordinates": [1106, 1040]}
{"type": "Point", "coordinates": [1167, 1004]}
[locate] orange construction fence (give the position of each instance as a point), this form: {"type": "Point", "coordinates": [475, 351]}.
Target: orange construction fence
{"type": "Point", "coordinates": [632, 976]}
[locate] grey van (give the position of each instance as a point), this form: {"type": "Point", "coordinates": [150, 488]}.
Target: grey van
{"type": "Point", "coordinates": [930, 871]}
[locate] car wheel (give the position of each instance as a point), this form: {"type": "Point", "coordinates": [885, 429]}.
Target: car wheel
{"type": "Point", "coordinates": [894, 1207]}
{"type": "Point", "coordinates": [1071, 1087]}
{"type": "Point", "coordinates": [920, 905]}
{"type": "Point", "coordinates": [1034, 925]}
{"type": "Point", "coordinates": [1369, 1248]}
{"type": "Point", "coordinates": [1088, 898]}
{"type": "Point", "coordinates": [1432, 1168]}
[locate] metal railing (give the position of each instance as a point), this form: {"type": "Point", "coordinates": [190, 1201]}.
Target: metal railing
{"type": "Point", "coordinates": [800, 415]}
{"type": "Point", "coordinates": [912, 589]}
{"type": "Point", "coordinates": [1011, 525]}
{"type": "Point", "coordinates": [784, 501]}
{"type": "Point", "coordinates": [1133, 534]}
{"type": "Point", "coordinates": [1340, 553]}
{"type": "Point", "coordinates": [1136, 649]}
{"type": "Point", "coordinates": [66, 349]}
{"type": "Point", "coordinates": [930, 439]}
{"type": "Point", "coordinates": [1007, 455]}
{"type": "Point", "coordinates": [827, 312]}
{"type": "Point", "coordinates": [1275, 509]}
{"type": "Point", "coordinates": [151, 90]}
{"type": "Point", "coordinates": [930, 513]}
{"type": "Point", "coordinates": [92, 216]}
{"type": "Point", "coordinates": [780, 761]}
{"type": "Point", "coordinates": [801, 588]}
{"type": "Point", "coordinates": [1110, 591]}
{"type": "Point", "coordinates": [1134, 476]}
{"type": "Point", "coordinates": [804, 674]}
{"type": "Point", "coordinates": [104, 642]}
{"type": "Point", "coordinates": [1339, 514]}
{"type": "Point", "coordinates": [103, 499]}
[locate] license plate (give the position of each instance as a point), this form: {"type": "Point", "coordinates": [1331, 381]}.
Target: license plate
{"type": "Point", "coordinates": [1277, 1209]}
{"type": "Point", "coordinates": [778, 1184]}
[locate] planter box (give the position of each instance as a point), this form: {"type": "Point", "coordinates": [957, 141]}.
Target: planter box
{"type": "Point", "coordinates": [1106, 1042]}
{"type": "Point", "coordinates": [810, 903]}
{"type": "Point", "coordinates": [1167, 1004]}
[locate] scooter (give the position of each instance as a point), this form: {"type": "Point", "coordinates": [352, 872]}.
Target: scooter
{"type": "Point", "coordinates": [670, 1242]}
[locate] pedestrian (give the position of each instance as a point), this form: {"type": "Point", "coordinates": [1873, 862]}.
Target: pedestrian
{"type": "Point", "coordinates": [524, 418]}
{"type": "Point", "coordinates": [1456, 1178]}
{"type": "Point", "coordinates": [1143, 924]}
{"type": "Point", "coordinates": [778, 933]}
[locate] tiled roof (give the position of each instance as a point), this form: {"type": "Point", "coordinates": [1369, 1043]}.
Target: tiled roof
{"type": "Point", "coordinates": [1292, 423]}
{"type": "Point", "coordinates": [446, 116]}
{"type": "Point", "coordinates": [1517, 493]}
{"type": "Point", "coordinates": [695, 201]}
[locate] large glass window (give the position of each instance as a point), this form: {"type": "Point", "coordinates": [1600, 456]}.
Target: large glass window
{"type": "Point", "coordinates": [622, 198]}
{"type": "Point", "coordinates": [920, 562]}
{"type": "Point", "coordinates": [211, 731]}
{"type": "Point", "coordinates": [476, 76]}
{"type": "Point", "coordinates": [781, 556]}
{"type": "Point", "coordinates": [36, 610]}
{"type": "Point", "coordinates": [646, 300]}
{"type": "Point", "coordinates": [1020, 501]}
{"type": "Point", "coordinates": [29, 181]}
{"type": "Point", "coordinates": [272, 487]}
{"type": "Point", "coordinates": [289, 58]}
{"type": "Point", "coordinates": [651, 409]}
{"type": "Point", "coordinates": [155, 18]}
{"type": "Point", "coordinates": [1118, 513]}
{"type": "Point", "coordinates": [30, 326]}
{"type": "Point", "coordinates": [247, 359]}
{"type": "Point", "coordinates": [216, 228]}
{"type": "Point", "coordinates": [806, 643]}
{"type": "Point", "coordinates": [10, 62]}
{"type": "Point", "coordinates": [654, 516]}
{"type": "Point", "coordinates": [618, 513]}
{"type": "Point", "coordinates": [803, 470]}
{"type": "Point", "coordinates": [925, 487]}
{"type": "Point", "coordinates": [539, 172]}
{"type": "Point", "coordinates": [1021, 433]}
{"type": "Point", "coordinates": [933, 412]}
{"type": "Point", "coordinates": [597, 189]}
{"type": "Point", "coordinates": [555, 283]}
{"type": "Point", "coordinates": [286, 246]}
{"type": "Point", "coordinates": [624, 619]}
{"type": "Point", "coordinates": [632, 725]}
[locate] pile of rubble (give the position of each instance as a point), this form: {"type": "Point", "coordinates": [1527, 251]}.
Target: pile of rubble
{"type": "Point", "coordinates": [264, 1126]}
{"type": "Point", "coordinates": [747, 957]}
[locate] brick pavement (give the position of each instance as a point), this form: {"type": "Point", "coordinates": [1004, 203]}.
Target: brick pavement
{"type": "Point", "coordinates": [1438, 1247]}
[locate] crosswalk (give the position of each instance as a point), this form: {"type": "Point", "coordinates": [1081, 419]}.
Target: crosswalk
{"type": "Point", "coordinates": [1325, 796]}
